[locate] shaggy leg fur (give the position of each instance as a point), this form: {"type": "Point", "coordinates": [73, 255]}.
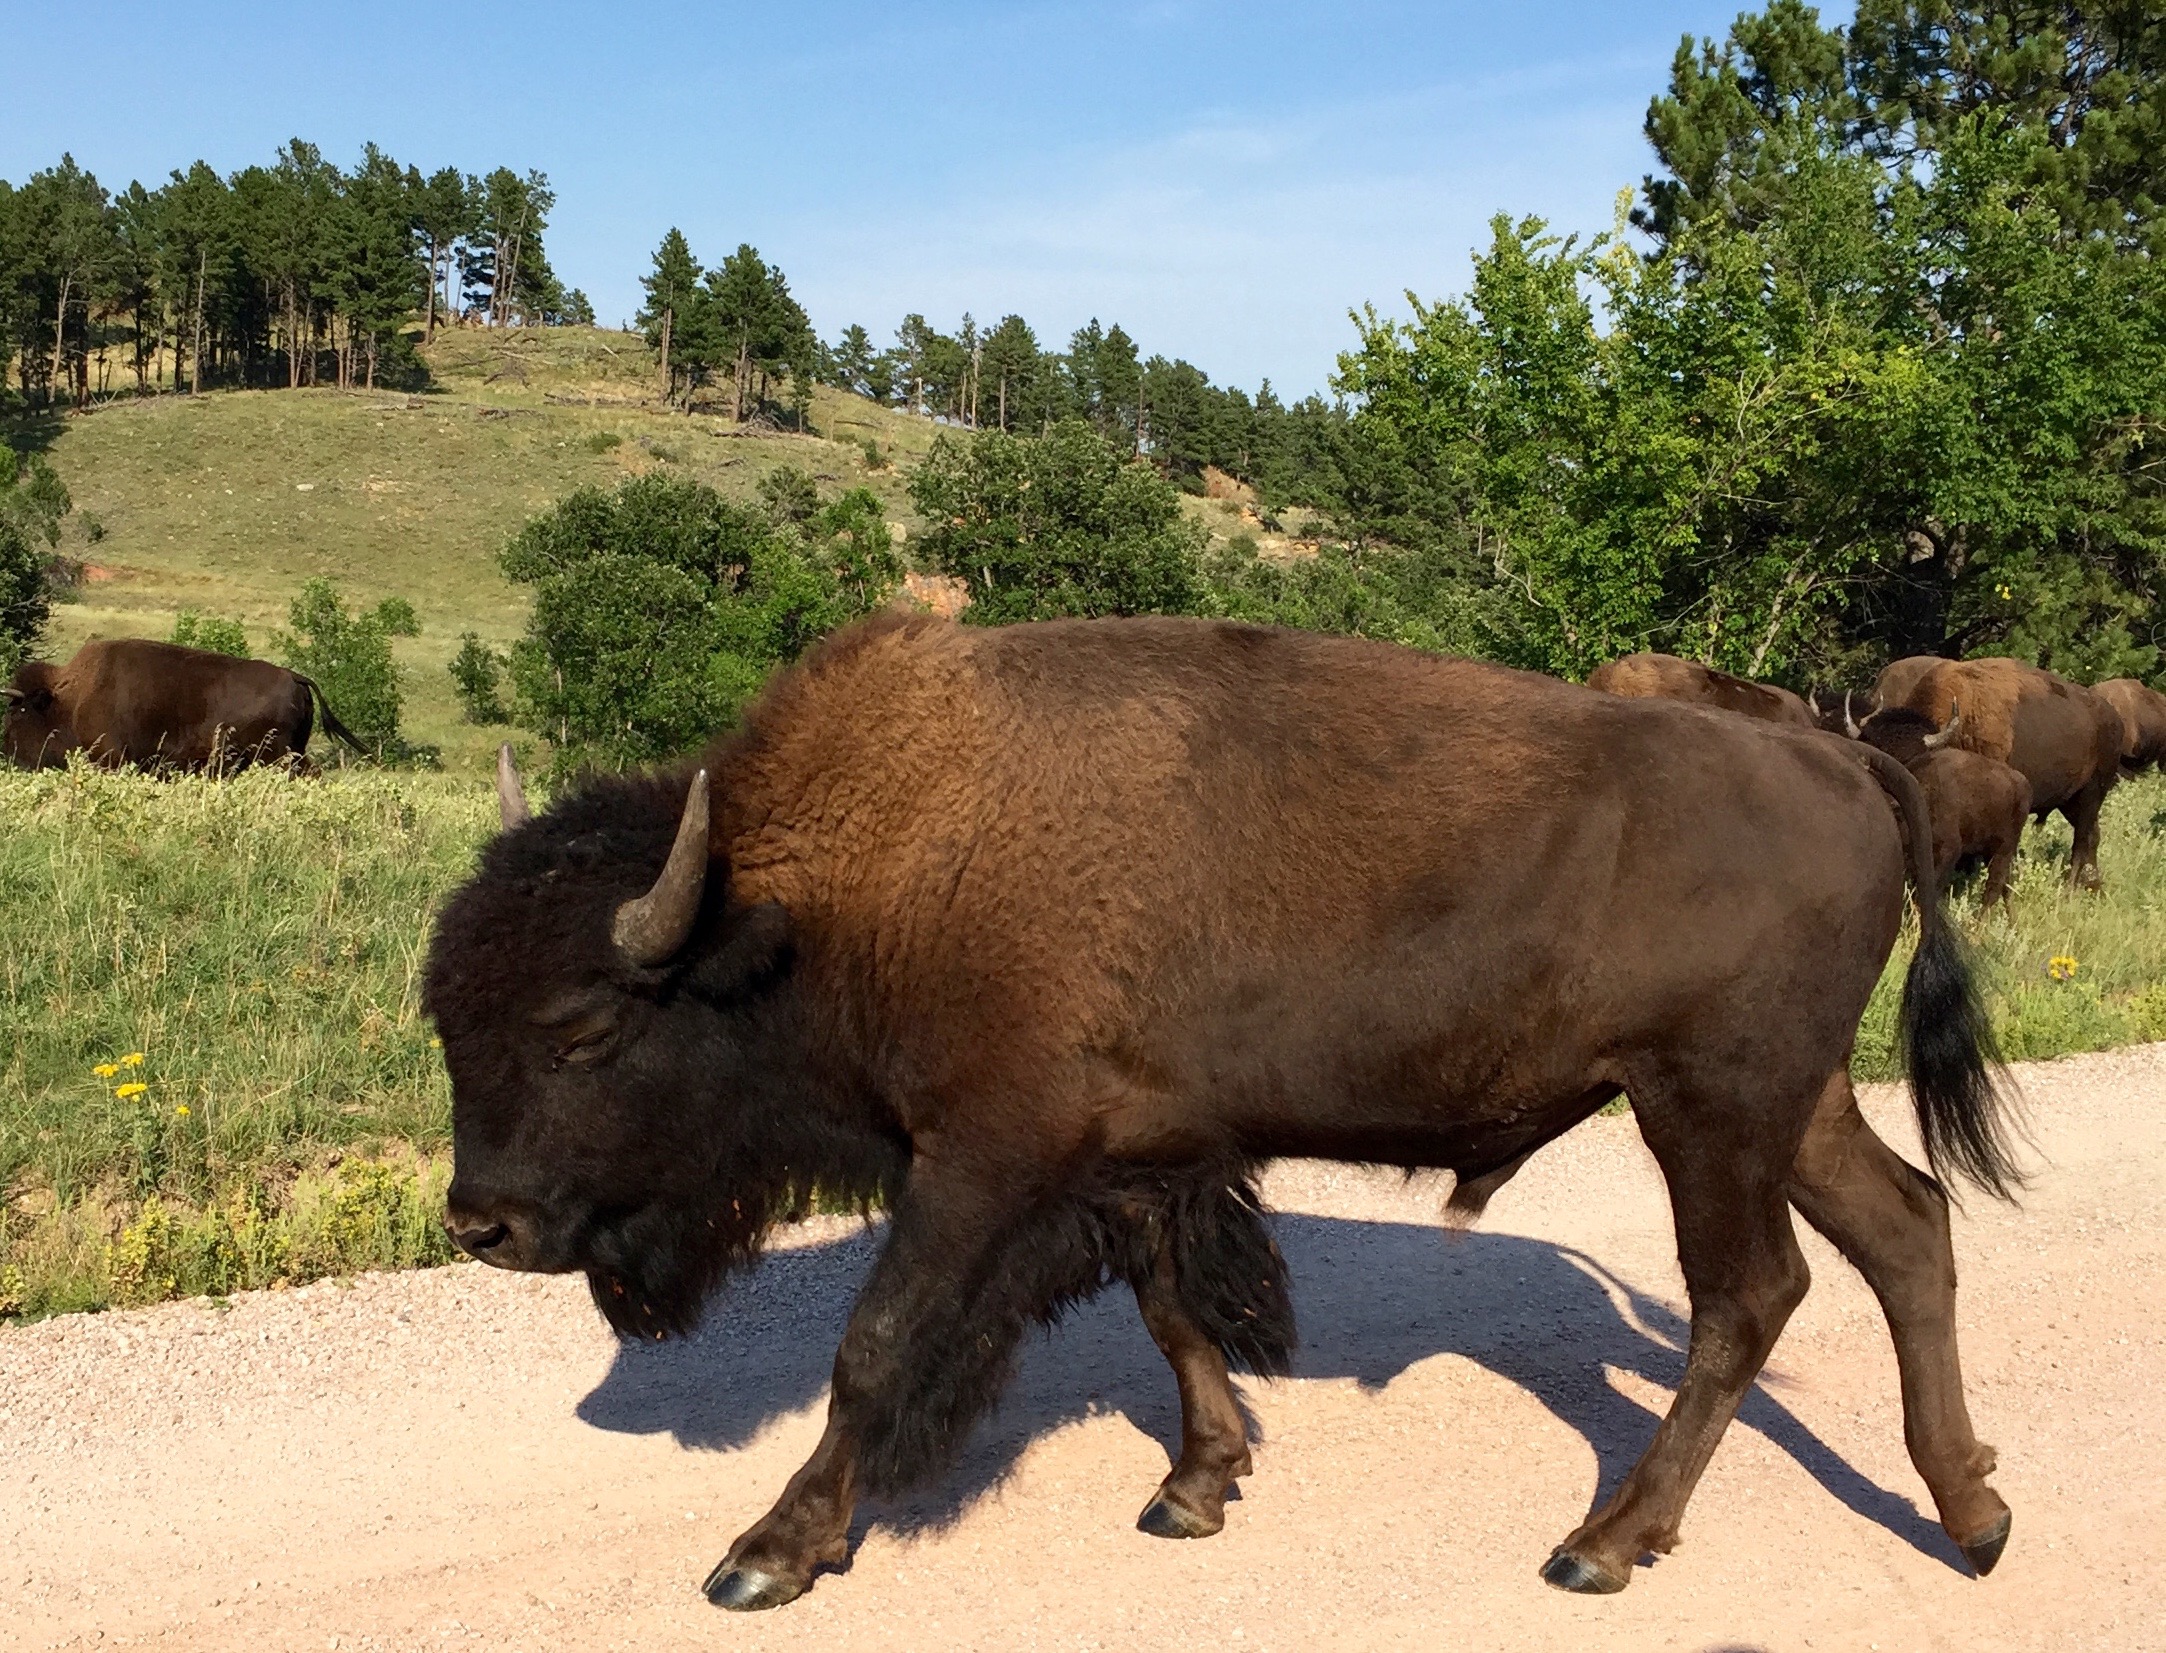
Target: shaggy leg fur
{"type": "Point", "coordinates": [1891, 1222]}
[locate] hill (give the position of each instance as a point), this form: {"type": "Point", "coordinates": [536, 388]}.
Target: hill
{"type": "Point", "coordinates": [229, 501]}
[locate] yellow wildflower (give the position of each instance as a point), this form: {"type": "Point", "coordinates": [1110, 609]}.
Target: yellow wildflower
{"type": "Point", "coordinates": [134, 1087]}
{"type": "Point", "coordinates": [2061, 967]}
{"type": "Point", "coordinates": [182, 1110]}
{"type": "Point", "coordinates": [106, 1070]}
{"type": "Point", "coordinates": [134, 1059]}
{"type": "Point", "coordinates": [2006, 595]}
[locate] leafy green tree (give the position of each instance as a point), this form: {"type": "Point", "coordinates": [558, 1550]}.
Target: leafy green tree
{"type": "Point", "coordinates": [660, 608]}
{"type": "Point", "coordinates": [477, 673]}
{"type": "Point", "coordinates": [1064, 524]}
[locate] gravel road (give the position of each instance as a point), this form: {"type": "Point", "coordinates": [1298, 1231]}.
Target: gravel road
{"type": "Point", "coordinates": [466, 1458]}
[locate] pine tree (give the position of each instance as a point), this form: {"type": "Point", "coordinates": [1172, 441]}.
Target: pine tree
{"type": "Point", "coordinates": [670, 287]}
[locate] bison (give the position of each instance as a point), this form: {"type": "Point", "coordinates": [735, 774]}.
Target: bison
{"type": "Point", "coordinates": [162, 706]}
{"type": "Point", "coordinates": [1892, 687]}
{"type": "Point", "coordinates": [2143, 722]}
{"type": "Point", "coordinates": [1666, 677]}
{"type": "Point", "coordinates": [2063, 739]}
{"type": "Point", "coordinates": [1977, 804]}
{"type": "Point", "coordinates": [1046, 937]}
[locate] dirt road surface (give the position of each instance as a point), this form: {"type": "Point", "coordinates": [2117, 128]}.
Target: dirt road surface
{"type": "Point", "coordinates": [463, 1458]}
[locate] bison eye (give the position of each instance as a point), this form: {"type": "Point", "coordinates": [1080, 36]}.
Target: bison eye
{"type": "Point", "coordinates": [587, 1048]}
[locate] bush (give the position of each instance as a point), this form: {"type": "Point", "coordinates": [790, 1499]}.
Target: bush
{"type": "Point", "coordinates": [790, 495]}
{"type": "Point", "coordinates": [210, 631]}
{"type": "Point", "coordinates": [32, 501]}
{"type": "Point", "coordinates": [349, 656]}
{"type": "Point", "coordinates": [476, 672]}
{"type": "Point", "coordinates": [1057, 525]}
{"type": "Point", "coordinates": [660, 608]}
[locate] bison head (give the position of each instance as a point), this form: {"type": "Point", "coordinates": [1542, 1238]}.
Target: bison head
{"type": "Point", "coordinates": [34, 733]}
{"type": "Point", "coordinates": [626, 1050]}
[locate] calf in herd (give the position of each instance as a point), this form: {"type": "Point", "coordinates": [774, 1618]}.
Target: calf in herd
{"type": "Point", "coordinates": [1048, 936]}
{"type": "Point", "coordinates": [161, 706]}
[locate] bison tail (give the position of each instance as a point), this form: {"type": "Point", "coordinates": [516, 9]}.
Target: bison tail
{"type": "Point", "coordinates": [331, 724]}
{"type": "Point", "coordinates": [1947, 1039]}
{"type": "Point", "coordinates": [1954, 1065]}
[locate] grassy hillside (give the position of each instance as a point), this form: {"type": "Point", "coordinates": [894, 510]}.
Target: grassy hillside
{"type": "Point", "coordinates": [228, 502]}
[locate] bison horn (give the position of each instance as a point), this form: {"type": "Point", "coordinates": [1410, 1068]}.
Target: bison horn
{"type": "Point", "coordinates": [510, 795]}
{"type": "Point", "coordinates": [11, 694]}
{"type": "Point", "coordinates": [1850, 722]}
{"type": "Point", "coordinates": [649, 931]}
{"type": "Point", "coordinates": [1941, 737]}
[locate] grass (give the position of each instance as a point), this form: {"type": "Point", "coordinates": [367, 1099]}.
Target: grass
{"type": "Point", "coordinates": [259, 941]}
{"type": "Point", "coordinates": [226, 503]}
{"type": "Point", "coordinates": [256, 944]}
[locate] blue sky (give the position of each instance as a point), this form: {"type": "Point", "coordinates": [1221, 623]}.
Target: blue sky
{"type": "Point", "coordinates": [1224, 180]}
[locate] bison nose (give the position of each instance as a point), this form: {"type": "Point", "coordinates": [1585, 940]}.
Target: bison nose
{"type": "Point", "coordinates": [475, 1237]}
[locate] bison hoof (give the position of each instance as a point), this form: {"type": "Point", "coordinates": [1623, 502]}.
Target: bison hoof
{"type": "Point", "coordinates": [748, 1589]}
{"type": "Point", "coordinates": [1568, 1572]}
{"type": "Point", "coordinates": [1163, 1518]}
{"type": "Point", "coordinates": [1984, 1553]}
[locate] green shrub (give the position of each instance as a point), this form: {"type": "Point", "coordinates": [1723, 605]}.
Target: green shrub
{"type": "Point", "coordinates": [603, 440]}
{"type": "Point", "coordinates": [1061, 524]}
{"type": "Point", "coordinates": [476, 672]}
{"type": "Point", "coordinates": [210, 631]}
{"type": "Point", "coordinates": [349, 657]}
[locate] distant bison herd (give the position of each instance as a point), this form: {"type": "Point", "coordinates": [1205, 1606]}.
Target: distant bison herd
{"type": "Point", "coordinates": [1991, 742]}
{"type": "Point", "coordinates": [1045, 938]}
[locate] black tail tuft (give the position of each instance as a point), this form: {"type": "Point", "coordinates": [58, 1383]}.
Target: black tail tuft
{"type": "Point", "coordinates": [1951, 1054]}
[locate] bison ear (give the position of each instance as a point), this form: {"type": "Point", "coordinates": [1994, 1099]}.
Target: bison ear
{"type": "Point", "coordinates": [754, 946]}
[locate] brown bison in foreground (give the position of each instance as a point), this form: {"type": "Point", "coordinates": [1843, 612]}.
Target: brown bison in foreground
{"type": "Point", "coordinates": [2143, 722]}
{"type": "Point", "coordinates": [2060, 736]}
{"type": "Point", "coordinates": [1047, 936]}
{"type": "Point", "coordinates": [1666, 677]}
{"type": "Point", "coordinates": [1978, 804]}
{"type": "Point", "coordinates": [161, 706]}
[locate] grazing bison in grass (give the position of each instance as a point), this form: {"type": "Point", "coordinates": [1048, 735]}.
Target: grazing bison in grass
{"type": "Point", "coordinates": [1665, 677]}
{"type": "Point", "coordinates": [161, 706]}
{"type": "Point", "coordinates": [2143, 722]}
{"type": "Point", "coordinates": [1978, 804]}
{"type": "Point", "coordinates": [1047, 936]}
{"type": "Point", "coordinates": [2063, 739]}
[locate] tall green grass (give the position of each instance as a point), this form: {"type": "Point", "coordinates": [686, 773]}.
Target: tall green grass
{"type": "Point", "coordinates": [209, 1013]}
{"type": "Point", "coordinates": [258, 942]}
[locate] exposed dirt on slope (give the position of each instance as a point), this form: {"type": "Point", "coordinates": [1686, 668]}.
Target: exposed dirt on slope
{"type": "Point", "coordinates": [466, 1458]}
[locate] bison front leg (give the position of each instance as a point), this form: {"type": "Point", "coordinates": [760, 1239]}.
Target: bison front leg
{"type": "Point", "coordinates": [927, 1350]}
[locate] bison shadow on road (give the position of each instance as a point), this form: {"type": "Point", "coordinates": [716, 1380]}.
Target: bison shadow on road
{"type": "Point", "coordinates": [1373, 1299]}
